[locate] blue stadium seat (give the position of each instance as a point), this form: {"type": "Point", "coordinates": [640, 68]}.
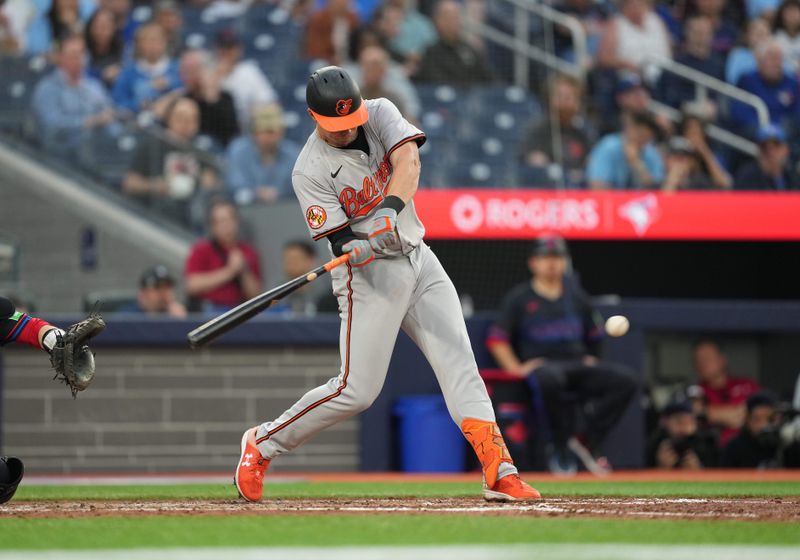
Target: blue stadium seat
{"type": "Point", "coordinates": [472, 173]}
{"type": "Point", "coordinates": [503, 98]}
{"type": "Point", "coordinates": [109, 158]}
{"type": "Point", "coordinates": [487, 149]}
{"type": "Point", "coordinates": [534, 177]}
{"type": "Point", "coordinates": [17, 84]}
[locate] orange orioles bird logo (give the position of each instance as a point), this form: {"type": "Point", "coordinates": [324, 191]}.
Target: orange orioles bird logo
{"type": "Point", "coordinates": [343, 107]}
{"type": "Point", "coordinates": [316, 217]}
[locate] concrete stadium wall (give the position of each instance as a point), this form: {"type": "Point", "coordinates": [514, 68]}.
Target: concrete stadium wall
{"type": "Point", "coordinates": [168, 409]}
{"type": "Point", "coordinates": [47, 227]}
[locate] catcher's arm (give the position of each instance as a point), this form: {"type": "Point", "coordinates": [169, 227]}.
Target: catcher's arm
{"type": "Point", "coordinates": [16, 326]}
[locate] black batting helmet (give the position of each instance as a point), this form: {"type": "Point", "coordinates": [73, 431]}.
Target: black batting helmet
{"type": "Point", "coordinates": [335, 100]}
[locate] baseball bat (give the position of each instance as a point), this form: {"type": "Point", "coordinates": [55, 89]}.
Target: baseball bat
{"type": "Point", "coordinates": [229, 320]}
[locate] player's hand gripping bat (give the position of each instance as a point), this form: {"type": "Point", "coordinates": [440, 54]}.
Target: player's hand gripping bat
{"type": "Point", "coordinates": [229, 320]}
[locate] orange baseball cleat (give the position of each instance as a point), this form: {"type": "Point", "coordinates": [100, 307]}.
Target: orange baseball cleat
{"type": "Point", "coordinates": [249, 477]}
{"type": "Point", "coordinates": [510, 488]}
{"type": "Point", "coordinates": [487, 441]}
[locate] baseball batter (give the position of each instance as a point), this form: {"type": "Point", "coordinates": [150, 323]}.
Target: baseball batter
{"type": "Point", "coordinates": [355, 180]}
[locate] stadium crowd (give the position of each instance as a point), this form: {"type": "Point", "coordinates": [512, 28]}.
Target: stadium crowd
{"type": "Point", "coordinates": [210, 88]}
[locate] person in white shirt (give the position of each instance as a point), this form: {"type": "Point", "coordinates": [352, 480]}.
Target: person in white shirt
{"type": "Point", "coordinates": [632, 36]}
{"type": "Point", "coordinates": [243, 79]}
{"type": "Point", "coordinates": [15, 15]}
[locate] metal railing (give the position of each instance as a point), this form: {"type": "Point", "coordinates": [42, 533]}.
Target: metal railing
{"type": "Point", "coordinates": [524, 52]}
{"type": "Point", "coordinates": [703, 82]}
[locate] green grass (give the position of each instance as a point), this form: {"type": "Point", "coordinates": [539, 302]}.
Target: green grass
{"type": "Point", "coordinates": [330, 530]}
{"type": "Point", "coordinates": [376, 529]}
{"type": "Point", "coordinates": [419, 489]}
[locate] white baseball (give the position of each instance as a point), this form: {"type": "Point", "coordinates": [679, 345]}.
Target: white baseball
{"type": "Point", "coordinates": [617, 325]}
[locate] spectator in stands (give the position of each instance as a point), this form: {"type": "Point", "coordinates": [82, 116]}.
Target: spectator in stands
{"type": "Point", "coordinates": [679, 444]}
{"type": "Point", "coordinates": [452, 60]}
{"type": "Point", "coordinates": [630, 96]}
{"type": "Point", "coordinates": [15, 16]}
{"type": "Point", "coordinates": [243, 79]}
{"type": "Point", "coordinates": [150, 75]}
{"type": "Point", "coordinates": [593, 17]}
{"type": "Point", "coordinates": [762, 8]}
{"type": "Point", "coordinates": [395, 78]}
{"type": "Point", "coordinates": [693, 128]}
{"type": "Point", "coordinates": [167, 172]}
{"type": "Point", "coordinates": [156, 296]}
{"type": "Point", "coordinates": [260, 164]}
{"type": "Point", "coordinates": [329, 30]}
{"type": "Point", "coordinates": [65, 19]}
{"type": "Point", "coordinates": [385, 29]}
{"type": "Point", "coordinates": [684, 168]}
{"type": "Point", "coordinates": [573, 139]}
{"type": "Point", "coordinates": [122, 16]}
{"type": "Point", "coordinates": [167, 14]}
{"type": "Point", "coordinates": [787, 32]}
{"type": "Point", "coordinates": [724, 31]}
{"type": "Point", "coordinates": [725, 395]}
{"type": "Point", "coordinates": [105, 47]}
{"type": "Point", "coordinates": [298, 258]}
{"type": "Point", "coordinates": [52, 20]}
{"type": "Point", "coordinates": [548, 334]}
{"type": "Point", "coordinates": [201, 83]}
{"type": "Point", "coordinates": [772, 169]}
{"type": "Point", "coordinates": [416, 32]}
{"type": "Point", "coordinates": [757, 444]}
{"type": "Point", "coordinates": [222, 271]}
{"type": "Point", "coordinates": [779, 90]}
{"type": "Point", "coordinates": [742, 59]}
{"type": "Point", "coordinates": [374, 83]}
{"type": "Point", "coordinates": [629, 159]}
{"type": "Point", "coordinates": [696, 54]}
{"type": "Point", "coordinates": [67, 103]}
{"type": "Point", "coordinates": [632, 36]}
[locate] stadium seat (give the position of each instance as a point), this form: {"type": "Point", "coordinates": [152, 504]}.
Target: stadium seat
{"type": "Point", "coordinates": [471, 173]}
{"type": "Point", "coordinates": [442, 100]}
{"type": "Point", "coordinates": [535, 177]}
{"type": "Point", "coordinates": [19, 78]}
{"type": "Point", "coordinates": [109, 158]}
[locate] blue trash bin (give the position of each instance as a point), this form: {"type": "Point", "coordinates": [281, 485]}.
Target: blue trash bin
{"type": "Point", "coordinates": [429, 439]}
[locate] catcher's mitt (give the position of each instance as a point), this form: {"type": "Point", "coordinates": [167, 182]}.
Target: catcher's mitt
{"type": "Point", "coordinates": [72, 360]}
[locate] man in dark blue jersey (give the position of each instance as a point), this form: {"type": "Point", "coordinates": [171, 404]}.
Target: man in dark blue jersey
{"type": "Point", "coordinates": [548, 334]}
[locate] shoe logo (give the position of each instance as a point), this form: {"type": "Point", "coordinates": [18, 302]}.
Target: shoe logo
{"type": "Point", "coordinates": [246, 462]}
{"type": "Point", "coordinates": [333, 175]}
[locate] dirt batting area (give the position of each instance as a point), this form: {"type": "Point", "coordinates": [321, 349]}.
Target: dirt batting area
{"type": "Point", "coordinates": [749, 509]}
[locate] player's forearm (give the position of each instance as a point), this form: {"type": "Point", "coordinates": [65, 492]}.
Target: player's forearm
{"type": "Point", "coordinates": [23, 329]}
{"type": "Point", "coordinates": [199, 283]}
{"type": "Point", "coordinates": [251, 285]}
{"type": "Point", "coordinates": [729, 416]}
{"type": "Point", "coordinates": [505, 357]}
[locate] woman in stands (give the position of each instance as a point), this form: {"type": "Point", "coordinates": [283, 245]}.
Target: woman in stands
{"type": "Point", "coordinates": [105, 46]}
{"type": "Point", "coordinates": [787, 31]}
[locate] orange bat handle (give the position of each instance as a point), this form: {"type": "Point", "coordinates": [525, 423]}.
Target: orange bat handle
{"type": "Point", "coordinates": [336, 262]}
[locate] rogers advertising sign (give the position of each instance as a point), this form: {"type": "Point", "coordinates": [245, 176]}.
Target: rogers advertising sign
{"type": "Point", "coordinates": [514, 214]}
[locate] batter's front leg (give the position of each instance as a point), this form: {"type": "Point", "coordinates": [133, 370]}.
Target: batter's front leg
{"type": "Point", "coordinates": [373, 300]}
{"type": "Point", "coordinates": [435, 322]}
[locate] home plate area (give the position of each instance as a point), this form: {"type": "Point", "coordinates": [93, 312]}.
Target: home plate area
{"type": "Point", "coordinates": [752, 509]}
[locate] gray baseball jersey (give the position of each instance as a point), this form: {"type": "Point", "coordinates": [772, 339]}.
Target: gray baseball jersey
{"type": "Point", "coordinates": [407, 289]}
{"type": "Point", "coordinates": [338, 187]}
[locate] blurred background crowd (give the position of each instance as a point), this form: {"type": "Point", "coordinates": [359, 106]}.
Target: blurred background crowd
{"type": "Point", "coordinates": [173, 101]}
